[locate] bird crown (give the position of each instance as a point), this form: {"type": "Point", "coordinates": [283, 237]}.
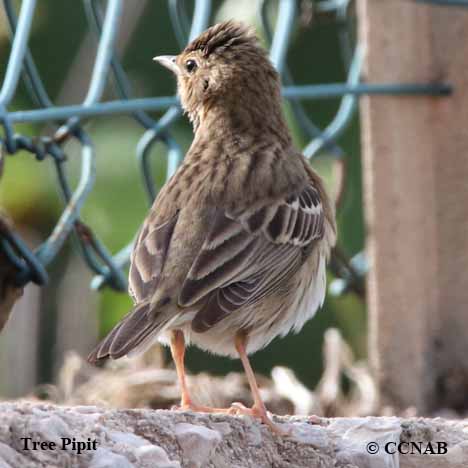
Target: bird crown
{"type": "Point", "coordinates": [221, 37]}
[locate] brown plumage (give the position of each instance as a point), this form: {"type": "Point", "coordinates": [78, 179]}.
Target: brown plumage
{"type": "Point", "coordinates": [233, 251]}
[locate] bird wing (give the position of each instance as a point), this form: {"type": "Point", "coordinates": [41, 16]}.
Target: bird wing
{"type": "Point", "coordinates": [248, 254]}
{"type": "Point", "coordinates": [148, 258]}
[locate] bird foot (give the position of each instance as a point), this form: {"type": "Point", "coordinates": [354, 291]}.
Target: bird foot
{"type": "Point", "coordinates": [190, 406]}
{"type": "Point", "coordinates": [317, 420]}
{"type": "Point", "coordinates": [258, 413]}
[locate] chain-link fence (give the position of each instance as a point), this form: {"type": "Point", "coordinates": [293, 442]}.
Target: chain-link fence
{"type": "Point", "coordinates": [25, 265]}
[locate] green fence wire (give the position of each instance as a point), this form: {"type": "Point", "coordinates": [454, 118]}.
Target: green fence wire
{"type": "Point", "coordinates": [31, 265]}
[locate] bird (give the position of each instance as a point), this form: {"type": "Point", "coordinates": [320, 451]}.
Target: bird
{"type": "Point", "coordinates": [233, 251]}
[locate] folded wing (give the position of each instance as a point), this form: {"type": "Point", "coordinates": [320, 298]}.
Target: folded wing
{"type": "Point", "coordinates": [249, 254]}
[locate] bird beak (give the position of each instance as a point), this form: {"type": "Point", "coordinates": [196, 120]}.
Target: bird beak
{"type": "Point", "coordinates": [168, 61]}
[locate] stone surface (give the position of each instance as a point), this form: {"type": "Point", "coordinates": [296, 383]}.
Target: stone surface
{"type": "Point", "coordinates": [167, 439]}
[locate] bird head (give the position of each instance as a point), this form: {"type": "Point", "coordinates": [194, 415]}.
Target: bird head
{"type": "Point", "coordinates": [225, 66]}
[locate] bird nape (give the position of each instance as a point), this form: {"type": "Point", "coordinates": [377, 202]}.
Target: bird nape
{"type": "Point", "coordinates": [233, 251]}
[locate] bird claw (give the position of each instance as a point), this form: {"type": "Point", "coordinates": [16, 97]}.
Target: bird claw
{"type": "Point", "coordinates": [199, 408]}
{"type": "Point", "coordinates": [258, 413]}
{"type": "Point", "coordinates": [319, 421]}
{"type": "Point", "coordinates": [238, 409]}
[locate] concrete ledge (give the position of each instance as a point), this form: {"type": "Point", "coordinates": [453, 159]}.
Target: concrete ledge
{"type": "Point", "coordinates": [168, 439]}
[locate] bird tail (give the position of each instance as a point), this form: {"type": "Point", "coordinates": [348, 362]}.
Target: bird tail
{"type": "Point", "coordinates": [136, 329]}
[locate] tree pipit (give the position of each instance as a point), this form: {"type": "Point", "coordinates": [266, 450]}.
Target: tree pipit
{"type": "Point", "coordinates": [233, 251]}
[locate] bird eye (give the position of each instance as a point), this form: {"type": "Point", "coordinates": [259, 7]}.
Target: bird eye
{"type": "Point", "coordinates": [190, 65]}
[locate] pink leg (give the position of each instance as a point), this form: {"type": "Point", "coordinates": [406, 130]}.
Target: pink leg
{"type": "Point", "coordinates": [258, 409]}
{"type": "Point", "coordinates": [178, 354]}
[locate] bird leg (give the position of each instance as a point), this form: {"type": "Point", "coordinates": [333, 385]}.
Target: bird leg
{"type": "Point", "coordinates": [178, 353]}
{"type": "Point", "coordinates": [258, 409]}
